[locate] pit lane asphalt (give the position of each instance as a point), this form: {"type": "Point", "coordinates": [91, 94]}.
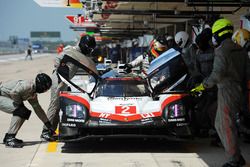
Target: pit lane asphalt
{"type": "Point", "coordinates": [94, 152]}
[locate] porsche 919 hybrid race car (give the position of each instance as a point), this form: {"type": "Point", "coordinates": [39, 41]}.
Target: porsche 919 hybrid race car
{"type": "Point", "coordinates": [126, 104]}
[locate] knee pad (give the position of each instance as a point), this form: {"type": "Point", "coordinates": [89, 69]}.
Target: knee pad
{"type": "Point", "coordinates": [22, 112]}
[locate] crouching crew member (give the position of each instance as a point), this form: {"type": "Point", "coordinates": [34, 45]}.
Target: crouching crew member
{"type": "Point", "coordinates": [13, 94]}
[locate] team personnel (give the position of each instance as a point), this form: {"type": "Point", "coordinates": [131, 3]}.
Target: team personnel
{"type": "Point", "coordinates": [59, 49]}
{"type": "Point", "coordinates": [84, 48]}
{"type": "Point", "coordinates": [228, 74]}
{"type": "Point", "coordinates": [171, 43]}
{"type": "Point", "coordinates": [207, 104]}
{"type": "Point", "coordinates": [13, 94]}
{"type": "Point", "coordinates": [242, 38]}
{"type": "Point", "coordinates": [157, 47]}
{"type": "Point", "coordinates": [188, 51]}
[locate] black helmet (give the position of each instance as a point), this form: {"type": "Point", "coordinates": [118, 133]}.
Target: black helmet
{"type": "Point", "coordinates": [162, 39]}
{"type": "Point", "coordinates": [43, 82]}
{"type": "Point", "coordinates": [87, 44]}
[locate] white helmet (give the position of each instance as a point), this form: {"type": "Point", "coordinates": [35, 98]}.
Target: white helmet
{"type": "Point", "coordinates": [181, 39]}
{"type": "Point", "coordinates": [169, 38]}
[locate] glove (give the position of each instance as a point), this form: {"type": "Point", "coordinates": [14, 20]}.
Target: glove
{"type": "Point", "coordinates": [128, 67]}
{"type": "Point", "coordinates": [198, 89]}
{"type": "Point", "coordinates": [49, 127]}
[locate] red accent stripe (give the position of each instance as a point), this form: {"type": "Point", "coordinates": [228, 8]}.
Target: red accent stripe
{"type": "Point", "coordinates": [228, 128]}
{"type": "Point", "coordinates": [137, 116]}
{"type": "Point", "coordinates": [121, 117]}
{"type": "Point", "coordinates": [171, 99]}
{"type": "Point", "coordinates": [155, 54]}
{"type": "Point", "coordinates": [76, 98]}
{"type": "Point", "coordinates": [124, 118]}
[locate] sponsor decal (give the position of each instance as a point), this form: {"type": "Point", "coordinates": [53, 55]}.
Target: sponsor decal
{"type": "Point", "coordinates": [181, 124]}
{"type": "Point", "coordinates": [69, 124]}
{"type": "Point", "coordinates": [147, 120]}
{"type": "Point", "coordinates": [104, 115]}
{"type": "Point", "coordinates": [176, 119]}
{"type": "Point", "coordinates": [75, 120]}
{"type": "Point", "coordinates": [104, 121]}
{"type": "Point", "coordinates": [124, 98]}
{"type": "Point", "coordinates": [147, 115]}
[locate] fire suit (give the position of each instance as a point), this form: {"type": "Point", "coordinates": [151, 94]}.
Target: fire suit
{"type": "Point", "coordinates": [68, 69]}
{"type": "Point", "coordinates": [12, 95]}
{"type": "Point", "coordinates": [228, 74]}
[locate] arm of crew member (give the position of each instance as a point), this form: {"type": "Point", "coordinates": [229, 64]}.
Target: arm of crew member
{"type": "Point", "coordinates": [57, 61]}
{"type": "Point", "coordinates": [137, 61]}
{"type": "Point", "coordinates": [38, 109]}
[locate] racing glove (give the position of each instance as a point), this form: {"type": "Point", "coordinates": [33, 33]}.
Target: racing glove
{"type": "Point", "coordinates": [197, 90]}
{"type": "Point", "coordinates": [128, 67]}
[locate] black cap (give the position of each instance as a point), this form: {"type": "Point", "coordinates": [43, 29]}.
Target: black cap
{"type": "Point", "coordinates": [87, 44]}
{"type": "Point", "coordinates": [43, 82]}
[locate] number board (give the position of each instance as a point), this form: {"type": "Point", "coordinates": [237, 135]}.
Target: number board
{"type": "Point", "coordinates": [76, 20]}
{"type": "Point", "coordinates": [125, 109]}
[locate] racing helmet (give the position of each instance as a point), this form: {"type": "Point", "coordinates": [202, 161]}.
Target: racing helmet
{"type": "Point", "coordinates": [170, 41]}
{"type": "Point", "coordinates": [241, 37]}
{"type": "Point", "coordinates": [87, 44]}
{"type": "Point", "coordinates": [221, 29]}
{"type": "Point", "coordinates": [43, 83]}
{"type": "Point", "coordinates": [181, 39]}
{"type": "Point", "coordinates": [158, 46]}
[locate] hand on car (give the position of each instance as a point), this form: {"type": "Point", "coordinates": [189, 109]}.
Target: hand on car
{"type": "Point", "coordinates": [197, 90]}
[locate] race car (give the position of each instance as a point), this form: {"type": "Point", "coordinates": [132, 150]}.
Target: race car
{"type": "Point", "coordinates": [127, 105]}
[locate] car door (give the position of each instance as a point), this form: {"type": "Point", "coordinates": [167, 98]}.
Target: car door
{"type": "Point", "coordinates": [168, 72]}
{"type": "Point", "coordinates": [86, 76]}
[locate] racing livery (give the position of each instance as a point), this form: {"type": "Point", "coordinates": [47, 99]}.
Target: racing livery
{"type": "Point", "coordinates": [126, 104]}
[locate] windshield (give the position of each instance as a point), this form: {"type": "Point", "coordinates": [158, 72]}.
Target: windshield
{"type": "Point", "coordinates": [122, 88]}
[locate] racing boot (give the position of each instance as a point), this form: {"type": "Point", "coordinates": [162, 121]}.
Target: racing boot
{"type": "Point", "coordinates": [241, 162]}
{"type": "Point", "coordinates": [6, 135]}
{"type": "Point", "coordinates": [11, 141]}
{"type": "Point", "coordinates": [47, 136]}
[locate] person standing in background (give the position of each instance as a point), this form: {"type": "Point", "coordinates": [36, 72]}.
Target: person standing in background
{"type": "Point", "coordinates": [29, 53]}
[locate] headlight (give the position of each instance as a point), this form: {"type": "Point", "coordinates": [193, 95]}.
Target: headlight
{"type": "Point", "coordinates": [72, 111]}
{"type": "Point", "coordinates": [75, 110]}
{"type": "Point", "coordinates": [174, 110]}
